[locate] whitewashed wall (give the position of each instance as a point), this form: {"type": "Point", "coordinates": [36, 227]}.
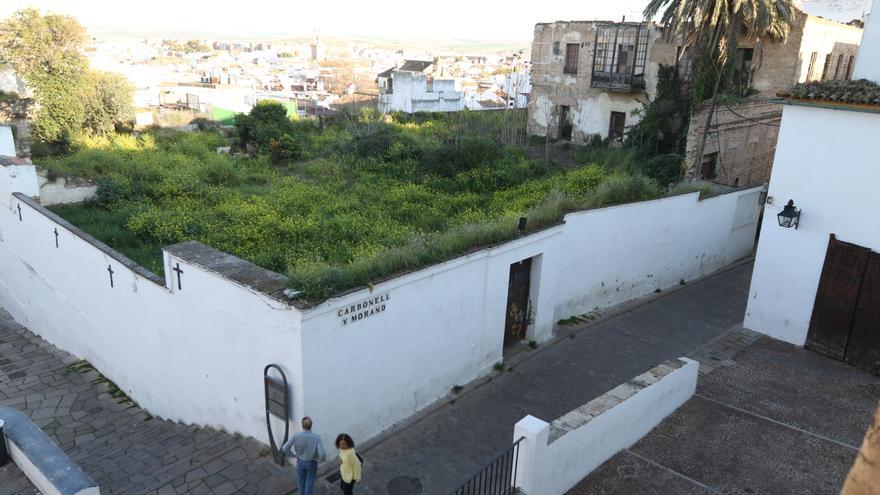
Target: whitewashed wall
{"type": "Point", "coordinates": [617, 254]}
{"type": "Point", "coordinates": [442, 326]}
{"type": "Point", "coordinates": [555, 456]}
{"type": "Point", "coordinates": [868, 61]}
{"type": "Point", "coordinates": [194, 355]}
{"type": "Point", "coordinates": [826, 162]}
{"type": "Point", "coordinates": [410, 94]}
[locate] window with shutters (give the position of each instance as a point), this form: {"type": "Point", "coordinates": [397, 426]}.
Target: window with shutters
{"type": "Point", "coordinates": [572, 51]}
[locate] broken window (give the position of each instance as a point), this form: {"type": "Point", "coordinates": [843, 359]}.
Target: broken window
{"type": "Point", "coordinates": [565, 125]}
{"type": "Point", "coordinates": [811, 67]}
{"type": "Point", "coordinates": [619, 58]}
{"type": "Point", "coordinates": [707, 167]}
{"type": "Point", "coordinates": [429, 84]}
{"type": "Point", "coordinates": [572, 50]}
{"type": "Point", "coordinates": [826, 67]}
{"type": "Point", "coordinates": [838, 67]}
{"type": "Point", "coordinates": [849, 68]}
{"type": "Point", "coordinates": [742, 70]}
{"type": "Point", "coordinates": [617, 126]}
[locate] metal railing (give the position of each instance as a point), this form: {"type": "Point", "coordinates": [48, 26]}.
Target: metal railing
{"type": "Point", "coordinates": [497, 478]}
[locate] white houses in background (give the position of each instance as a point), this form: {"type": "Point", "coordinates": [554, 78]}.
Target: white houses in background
{"type": "Point", "coordinates": [413, 87]}
{"type": "Point", "coordinates": [817, 283]}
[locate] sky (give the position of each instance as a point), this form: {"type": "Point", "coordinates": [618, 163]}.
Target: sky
{"type": "Point", "coordinates": [390, 19]}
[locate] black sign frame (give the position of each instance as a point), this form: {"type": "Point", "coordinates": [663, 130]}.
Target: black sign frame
{"type": "Point", "coordinates": [277, 397]}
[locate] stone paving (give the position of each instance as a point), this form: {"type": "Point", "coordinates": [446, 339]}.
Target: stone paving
{"type": "Point", "coordinates": [120, 446]}
{"type": "Point", "coordinates": [14, 481]}
{"type": "Point", "coordinates": [773, 418]}
{"type": "Point", "coordinates": [442, 449]}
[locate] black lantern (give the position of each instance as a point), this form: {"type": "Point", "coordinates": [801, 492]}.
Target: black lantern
{"type": "Point", "coordinates": [789, 216]}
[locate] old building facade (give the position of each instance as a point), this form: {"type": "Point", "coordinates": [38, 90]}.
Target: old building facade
{"type": "Point", "coordinates": [741, 140]}
{"type": "Point", "coordinates": [588, 77]}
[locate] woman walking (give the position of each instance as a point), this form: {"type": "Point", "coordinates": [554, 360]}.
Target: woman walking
{"type": "Point", "coordinates": [349, 464]}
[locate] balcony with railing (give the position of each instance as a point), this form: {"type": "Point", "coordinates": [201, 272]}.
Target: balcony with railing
{"type": "Point", "coordinates": [619, 58]}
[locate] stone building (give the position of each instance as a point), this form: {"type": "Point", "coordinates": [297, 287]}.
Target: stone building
{"type": "Point", "coordinates": [589, 77]}
{"type": "Point", "coordinates": [742, 137]}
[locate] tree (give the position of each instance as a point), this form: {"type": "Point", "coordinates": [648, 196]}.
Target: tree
{"type": "Point", "coordinates": [45, 52]}
{"type": "Point", "coordinates": [109, 102]}
{"type": "Point", "coordinates": [266, 124]}
{"type": "Point", "coordinates": [711, 28]}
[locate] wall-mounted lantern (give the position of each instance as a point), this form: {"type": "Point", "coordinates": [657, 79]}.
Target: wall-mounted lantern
{"type": "Point", "coordinates": [789, 216]}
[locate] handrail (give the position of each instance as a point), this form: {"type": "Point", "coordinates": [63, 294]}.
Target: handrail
{"type": "Point", "coordinates": [497, 477]}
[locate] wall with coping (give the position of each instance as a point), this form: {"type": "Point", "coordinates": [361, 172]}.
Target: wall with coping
{"type": "Point", "coordinates": [616, 254]}
{"type": "Point", "coordinates": [193, 353]}
{"type": "Point", "coordinates": [555, 456]}
{"type": "Point", "coordinates": [439, 327]}
{"type": "Point", "coordinates": [868, 62]}
{"type": "Point", "coordinates": [825, 161]}
{"type": "Point", "coordinates": [58, 189]}
{"type": "Point", "coordinates": [193, 349]}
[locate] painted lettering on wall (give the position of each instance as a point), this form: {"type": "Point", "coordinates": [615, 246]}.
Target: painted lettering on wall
{"type": "Point", "coordinates": [363, 309]}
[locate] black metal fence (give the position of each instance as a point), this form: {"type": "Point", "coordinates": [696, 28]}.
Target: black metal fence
{"type": "Point", "coordinates": [497, 478]}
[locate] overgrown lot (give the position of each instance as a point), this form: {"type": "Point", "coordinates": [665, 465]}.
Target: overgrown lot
{"type": "Point", "coordinates": [337, 208]}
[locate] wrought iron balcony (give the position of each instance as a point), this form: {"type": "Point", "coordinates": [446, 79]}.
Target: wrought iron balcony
{"type": "Point", "coordinates": [618, 81]}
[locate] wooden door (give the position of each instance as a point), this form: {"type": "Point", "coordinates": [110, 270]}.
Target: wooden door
{"type": "Point", "coordinates": [836, 298]}
{"type": "Point", "coordinates": [863, 349]}
{"type": "Point", "coordinates": [517, 319]}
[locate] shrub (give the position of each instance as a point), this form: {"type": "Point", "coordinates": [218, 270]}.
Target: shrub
{"type": "Point", "coordinates": [621, 188]}
{"type": "Point", "coordinates": [664, 169]}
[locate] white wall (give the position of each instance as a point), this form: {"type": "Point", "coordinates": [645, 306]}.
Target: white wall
{"type": "Point", "coordinates": [410, 94]}
{"type": "Point", "coordinates": [442, 326]}
{"type": "Point", "coordinates": [7, 143]}
{"type": "Point", "coordinates": [553, 458]}
{"type": "Point", "coordinates": [617, 254]}
{"type": "Point", "coordinates": [194, 355]}
{"type": "Point", "coordinates": [868, 61]}
{"type": "Point", "coordinates": [57, 190]}
{"type": "Point", "coordinates": [826, 162]}
{"type": "Point", "coordinates": [823, 37]}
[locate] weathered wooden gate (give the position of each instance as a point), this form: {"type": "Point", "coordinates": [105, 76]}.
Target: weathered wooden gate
{"type": "Point", "coordinates": [517, 319]}
{"type": "Point", "coordinates": [845, 323]}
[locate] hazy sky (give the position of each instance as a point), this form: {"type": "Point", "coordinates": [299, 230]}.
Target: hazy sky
{"type": "Point", "coordinates": [483, 20]}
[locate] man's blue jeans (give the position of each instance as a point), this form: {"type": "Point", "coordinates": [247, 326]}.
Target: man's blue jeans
{"type": "Point", "coordinates": [306, 471]}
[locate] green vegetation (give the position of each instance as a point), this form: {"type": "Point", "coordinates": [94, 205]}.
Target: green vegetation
{"type": "Point", "coordinates": [339, 208]}
{"type": "Point", "coordinates": [46, 51]}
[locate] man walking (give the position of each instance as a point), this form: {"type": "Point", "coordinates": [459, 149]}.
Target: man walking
{"type": "Point", "coordinates": [308, 450]}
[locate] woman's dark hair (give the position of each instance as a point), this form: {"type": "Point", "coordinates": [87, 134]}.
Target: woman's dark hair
{"type": "Point", "coordinates": [346, 437]}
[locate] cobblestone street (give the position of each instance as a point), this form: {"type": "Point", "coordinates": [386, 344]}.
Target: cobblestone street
{"type": "Point", "coordinates": [123, 449]}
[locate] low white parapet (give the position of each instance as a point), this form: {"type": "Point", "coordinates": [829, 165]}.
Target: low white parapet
{"type": "Point", "coordinates": [46, 466]}
{"type": "Point", "coordinates": [555, 456]}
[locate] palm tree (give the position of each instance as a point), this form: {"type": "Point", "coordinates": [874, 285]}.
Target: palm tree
{"type": "Point", "coordinates": [711, 28]}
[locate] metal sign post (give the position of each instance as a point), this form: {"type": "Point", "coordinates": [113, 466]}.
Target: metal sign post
{"type": "Point", "coordinates": [277, 404]}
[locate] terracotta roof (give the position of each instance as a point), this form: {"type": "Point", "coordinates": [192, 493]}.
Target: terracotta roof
{"type": "Point", "coordinates": [859, 93]}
